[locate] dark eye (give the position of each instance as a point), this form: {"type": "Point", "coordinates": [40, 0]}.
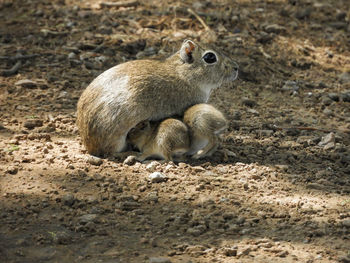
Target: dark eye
{"type": "Point", "coordinates": [210, 58]}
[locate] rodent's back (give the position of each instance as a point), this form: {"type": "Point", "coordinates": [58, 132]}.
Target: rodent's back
{"type": "Point", "coordinates": [205, 118]}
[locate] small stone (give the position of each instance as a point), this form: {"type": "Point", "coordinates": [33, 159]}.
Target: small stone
{"type": "Point", "coordinates": [327, 112]}
{"type": "Point", "coordinates": [230, 252]}
{"type": "Point", "coordinates": [12, 170]}
{"type": "Point", "coordinates": [157, 177]}
{"type": "Point", "coordinates": [333, 96]}
{"type": "Point", "coordinates": [62, 237]}
{"type": "Point", "coordinates": [326, 100]}
{"type": "Point", "coordinates": [290, 85]}
{"type": "Point", "coordinates": [245, 251]}
{"type": "Point", "coordinates": [344, 77]}
{"type": "Point", "coordinates": [130, 160]}
{"type": "Point", "coordinates": [194, 231]}
{"type": "Point", "coordinates": [274, 28]}
{"type": "Point", "coordinates": [159, 260]}
{"type": "Point", "coordinates": [68, 199]}
{"type": "Point", "coordinates": [248, 102]}
{"type": "Point", "coordinates": [26, 83]}
{"type": "Point", "coordinates": [32, 123]}
{"type": "Point", "coordinates": [282, 254]}
{"type": "Point", "coordinates": [152, 166]}
{"type": "Point", "coordinates": [330, 137]}
{"type": "Point", "coordinates": [345, 97]}
{"type": "Point", "coordinates": [94, 160]}
{"type": "Point", "coordinates": [84, 219]}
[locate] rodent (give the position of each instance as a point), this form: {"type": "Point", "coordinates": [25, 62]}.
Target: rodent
{"type": "Point", "coordinates": [205, 124]}
{"type": "Point", "coordinates": [135, 91]}
{"type": "Point", "coordinates": [166, 139]}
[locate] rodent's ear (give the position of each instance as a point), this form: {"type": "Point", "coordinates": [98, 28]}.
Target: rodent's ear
{"type": "Point", "coordinates": [186, 51]}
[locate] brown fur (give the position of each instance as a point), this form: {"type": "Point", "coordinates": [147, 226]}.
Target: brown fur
{"type": "Point", "coordinates": [140, 90]}
{"type": "Point", "coordinates": [165, 139]}
{"type": "Point", "coordinates": [205, 123]}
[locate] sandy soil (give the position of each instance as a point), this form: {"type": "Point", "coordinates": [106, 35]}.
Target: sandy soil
{"type": "Point", "coordinates": [278, 189]}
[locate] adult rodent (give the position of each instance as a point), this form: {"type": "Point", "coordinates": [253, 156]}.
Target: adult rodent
{"type": "Point", "coordinates": [205, 123]}
{"type": "Point", "coordinates": [135, 91]}
{"type": "Point", "coordinates": [165, 139]}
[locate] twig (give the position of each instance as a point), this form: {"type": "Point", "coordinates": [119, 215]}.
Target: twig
{"type": "Point", "coordinates": [128, 3]}
{"type": "Point", "coordinates": [13, 70]}
{"type": "Point", "coordinates": [206, 27]}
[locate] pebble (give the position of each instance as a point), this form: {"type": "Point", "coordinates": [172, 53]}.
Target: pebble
{"type": "Point", "coordinates": [248, 102]}
{"type": "Point", "coordinates": [152, 166]}
{"type": "Point", "coordinates": [290, 85]}
{"type": "Point", "coordinates": [62, 237]}
{"type": "Point", "coordinates": [329, 138]}
{"type": "Point", "coordinates": [326, 100]}
{"type": "Point", "coordinates": [32, 123]}
{"type": "Point", "coordinates": [12, 170]}
{"type": "Point", "coordinates": [84, 219]}
{"type": "Point", "coordinates": [130, 160]}
{"type": "Point", "coordinates": [274, 28]}
{"type": "Point", "coordinates": [230, 251]}
{"type": "Point", "coordinates": [333, 96]}
{"type": "Point", "coordinates": [94, 160]}
{"type": "Point", "coordinates": [26, 83]}
{"type": "Point", "coordinates": [159, 260]}
{"type": "Point", "coordinates": [157, 177]}
{"type": "Point", "coordinates": [68, 199]}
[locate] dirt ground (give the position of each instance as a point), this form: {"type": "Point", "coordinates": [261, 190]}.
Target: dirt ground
{"type": "Point", "coordinates": [278, 189]}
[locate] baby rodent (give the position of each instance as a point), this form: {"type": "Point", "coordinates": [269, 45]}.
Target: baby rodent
{"type": "Point", "coordinates": [135, 91]}
{"type": "Point", "coordinates": [205, 123]}
{"type": "Point", "coordinates": [165, 139]}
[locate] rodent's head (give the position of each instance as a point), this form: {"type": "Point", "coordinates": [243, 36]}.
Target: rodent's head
{"type": "Point", "coordinates": [137, 136]}
{"type": "Point", "coordinates": [205, 66]}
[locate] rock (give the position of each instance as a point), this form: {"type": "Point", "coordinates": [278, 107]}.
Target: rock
{"type": "Point", "coordinates": [128, 205]}
{"type": "Point", "coordinates": [230, 251]}
{"type": "Point", "coordinates": [62, 237]}
{"type": "Point", "coordinates": [84, 219]}
{"type": "Point", "coordinates": [344, 259]}
{"type": "Point", "coordinates": [245, 251]}
{"type": "Point", "coordinates": [12, 170]}
{"type": "Point", "coordinates": [157, 177]}
{"type": "Point", "coordinates": [345, 97]}
{"type": "Point", "coordinates": [130, 160]}
{"type": "Point", "coordinates": [303, 13]}
{"type": "Point", "coordinates": [152, 166]}
{"type": "Point", "coordinates": [68, 199]}
{"type": "Point", "coordinates": [344, 77]}
{"type": "Point", "coordinates": [159, 260]}
{"type": "Point", "coordinates": [333, 96]}
{"type": "Point", "coordinates": [26, 83]}
{"type": "Point", "coordinates": [32, 123]}
{"type": "Point", "coordinates": [248, 102]}
{"type": "Point", "coordinates": [274, 28]}
{"type": "Point", "coordinates": [290, 85]}
{"type": "Point", "coordinates": [326, 100]}
{"type": "Point", "coordinates": [330, 137]}
{"type": "Point", "coordinates": [94, 160]}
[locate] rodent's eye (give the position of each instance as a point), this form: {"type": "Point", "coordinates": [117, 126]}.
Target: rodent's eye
{"type": "Point", "coordinates": [210, 57]}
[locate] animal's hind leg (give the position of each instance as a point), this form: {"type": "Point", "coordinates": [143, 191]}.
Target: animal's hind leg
{"type": "Point", "coordinates": [212, 144]}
